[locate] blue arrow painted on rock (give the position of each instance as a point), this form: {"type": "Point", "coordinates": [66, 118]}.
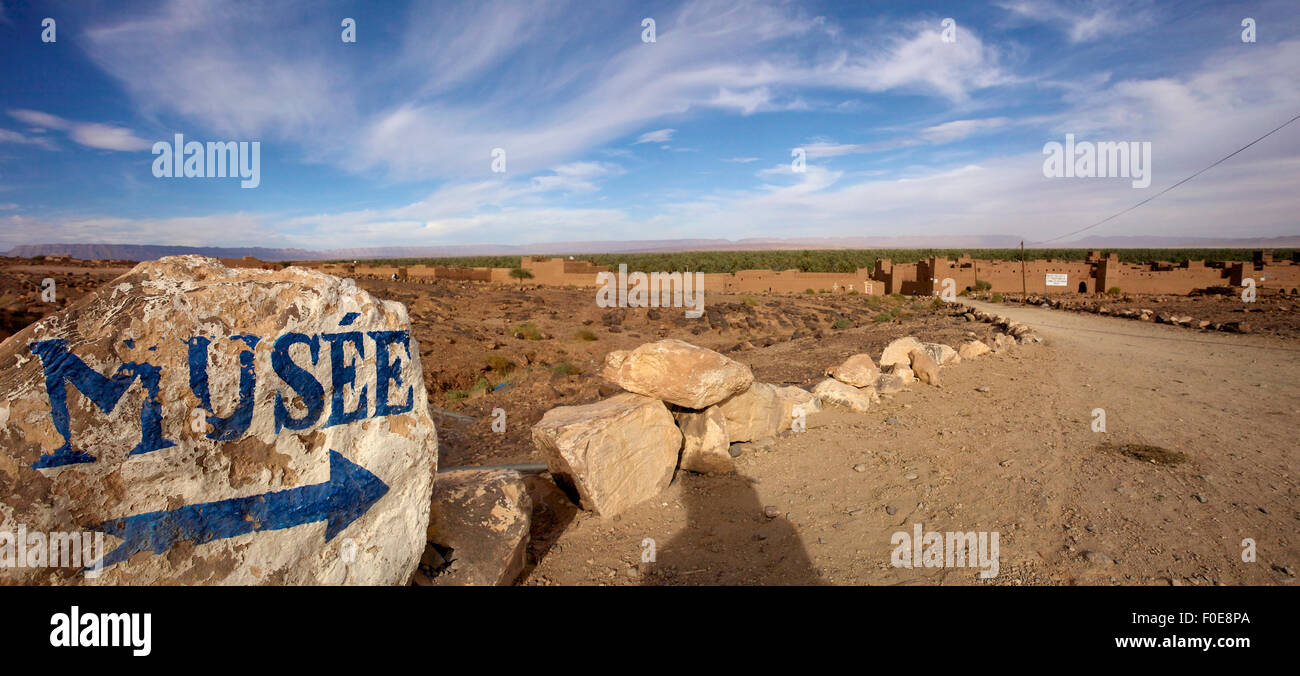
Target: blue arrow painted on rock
{"type": "Point", "coordinates": [350, 491]}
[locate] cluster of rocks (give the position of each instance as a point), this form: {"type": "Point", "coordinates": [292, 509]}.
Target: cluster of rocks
{"type": "Point", "coordinates": [1011, 331]}
{"type": "Point", "coordinates": [682, 407]}
{"type": "Point", "coordinates": [1139, 314]}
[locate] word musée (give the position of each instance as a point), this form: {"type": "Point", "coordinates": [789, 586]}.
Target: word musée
{"type": "Point", "coordinates": [223, 159]}
{"type": "Point", "coordinates": [62, 368]}
{"type": "Point", "coordinates": [1105, 159]}
{"type": "Point", "coordinates": [103, 630]}
{"type": "Point", "coordinates": [657, 289]}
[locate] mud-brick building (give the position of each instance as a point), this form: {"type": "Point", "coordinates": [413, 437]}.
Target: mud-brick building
{"type": "Point", "coordinates": [896, 277]}
{"type": "Point", "coordinates": [1094, 274]}
{"type": "Point", "coordinates": [793, 281]}
{"type": "Point", "coordinates": [428, 273]}
{"type": "Point", "coordinates": [926, 277]}
{"type": "Point", "coordinates": [1268, 273]}
{"type": "Point", "coordinates": [1158, 276]}
{"type": "Point", "coordinates": [560, 271]}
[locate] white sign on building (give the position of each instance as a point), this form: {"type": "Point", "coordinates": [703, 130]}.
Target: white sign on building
{"type": "Point", "coordinates": [1057, 279]}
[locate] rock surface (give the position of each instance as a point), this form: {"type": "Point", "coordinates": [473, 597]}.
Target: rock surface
{"type": "Point", "coordinates": [677, 372]}
{"type": "Point", "coordinates": [890, 383]}
{"type": "Point", "coordinates": [972, 349]}
{"type": "Point", "coordinates": [755, 413]}
{"type": "Point", "coordinates": [614, 453]}
{"type": "Point", "coordinates": [858, 371]}
{"type": "Point", "coordinates": [897, 352]}
{"type": "Point", "coordinates": [705, 448]}
{"type": "Point", "coordinates": [904, 372]}
{"type": "Point", "coordinates": [942, 355]}
{"type": "Point", "coordinates": [795, 399]}
{"type": "Point", "coordinates": [836, 393]}
{"type": "Point", "coordinates": [926, 370]}
{"type": "Point", "coordinates": [478, 529]}
{"type": "Point", "coordinates": [220, 426]}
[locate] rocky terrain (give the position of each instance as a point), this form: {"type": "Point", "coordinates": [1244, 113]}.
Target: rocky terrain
{"type": "Point", "coordinates": [788, 439]}
{"type": "Point", "coordinates": [543, 347]}
{"type": "Point", "coordinates": [22, 282]}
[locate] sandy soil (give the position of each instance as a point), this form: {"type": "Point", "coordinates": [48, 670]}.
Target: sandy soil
{"type": "Point", "coordinates": [1020, 459]}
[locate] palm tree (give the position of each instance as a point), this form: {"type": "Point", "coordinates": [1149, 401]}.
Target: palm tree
{"type": "Point", "coordinates": [520, 274]}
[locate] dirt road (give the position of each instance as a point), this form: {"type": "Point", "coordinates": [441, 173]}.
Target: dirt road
{"type": "Point", "coordinates": [1021, 459]}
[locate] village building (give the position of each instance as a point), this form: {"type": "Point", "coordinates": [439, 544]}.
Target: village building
{"type": "Point", "coordinates": [927, 277]}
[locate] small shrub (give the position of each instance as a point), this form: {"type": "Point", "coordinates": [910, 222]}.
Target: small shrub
{"type": "Point", "coordinates": [584, 335]}
{"type": "Point", "coordinates": [842, 323]}
{"type": "Point", "coordinates": [749, 301]}
{"type": "Point", "coordinates": [997, 298]}
{"type": "Point", "coordinates": [937, 303]}
{"type": "Point", "coordinates": [1114, 291]}
{"type": "Point", "coordinates": [527, 331]}
{"type": "Point", "coordinates": [564, 369]}
{"type": "Point", "coordinates": [499, 363]}
{"type": "Point", "coordinates": [982, 285]}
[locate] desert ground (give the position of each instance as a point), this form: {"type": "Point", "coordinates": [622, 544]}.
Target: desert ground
{"type": "Point", "coordinates": [1006, 444]}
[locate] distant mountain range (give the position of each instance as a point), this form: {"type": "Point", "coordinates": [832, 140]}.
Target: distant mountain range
{"type": "Point", "coordinates": [141, 252]}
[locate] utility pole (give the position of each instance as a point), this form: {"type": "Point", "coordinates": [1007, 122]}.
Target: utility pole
{"type": "Point", "coordinates": [1024, 293]}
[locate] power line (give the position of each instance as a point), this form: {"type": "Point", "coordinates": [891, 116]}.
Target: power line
{"type": "Point", "coordinates": [1216, 163]}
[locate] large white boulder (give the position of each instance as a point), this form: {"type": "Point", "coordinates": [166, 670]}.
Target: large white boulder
{"type": "Point", "coordinates": [219, 426]}
{"type": "Point", "coordinates": [705, 447]}
{"type": "Point", "coordinates": [836, 393]}
{"type": "Point", "coordinates": [754, 414]}
{"type": "Point", "coordinates": [899, 352]}
{"type": "Point", "coordinates": [615, 453]}
{"type": "Point", "coordinates": [858, 371]}
{"type": "Point", "coordinates": [677, 372]}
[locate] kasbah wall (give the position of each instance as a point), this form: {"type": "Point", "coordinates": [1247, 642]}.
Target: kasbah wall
{"type": "Point", "coordinates": [1095, 274]}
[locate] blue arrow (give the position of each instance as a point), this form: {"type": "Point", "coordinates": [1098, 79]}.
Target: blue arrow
{"type": "Point", "coordinates": [350, 491]}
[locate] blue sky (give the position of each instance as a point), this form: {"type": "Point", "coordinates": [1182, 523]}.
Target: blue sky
{"type": "Point", "coordinates": [388, 140]}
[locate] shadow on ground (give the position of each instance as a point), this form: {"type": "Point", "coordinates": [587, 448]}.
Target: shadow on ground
{"type": "Point", "coordinates": [729, 541]}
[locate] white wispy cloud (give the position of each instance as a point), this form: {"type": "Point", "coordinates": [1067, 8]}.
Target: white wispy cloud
{"type": "Point", "coordinates": [89, 134]}
{"type": "Point", "coordinates": [9, 136]}
{"type": "Point", "coordinates": [657, 136]}
{"type": "Point", "coordinates": [745, 57]}
{"type": "Point", "coordinates": [960, 129]}
{"type": "Point", "coordinates": [1084, 21]}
